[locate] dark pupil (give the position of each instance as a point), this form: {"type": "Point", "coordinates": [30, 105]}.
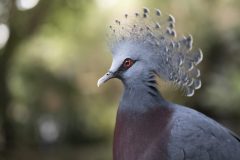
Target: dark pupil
{"type": "Point", "coordinates": [127, 63]}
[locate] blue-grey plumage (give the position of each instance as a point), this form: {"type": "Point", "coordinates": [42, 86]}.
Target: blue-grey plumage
{"type": "Point", "coordinates": [147, 126]}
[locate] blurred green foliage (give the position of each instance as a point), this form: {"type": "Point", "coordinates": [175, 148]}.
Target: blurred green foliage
{"type": "Point", "coordinates": [58, 51]}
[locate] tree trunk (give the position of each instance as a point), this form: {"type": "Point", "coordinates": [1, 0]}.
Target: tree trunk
{"type": "Point", "coordinates": [17, 35]}
{"type": "Point", "coordinates": [7, 128]}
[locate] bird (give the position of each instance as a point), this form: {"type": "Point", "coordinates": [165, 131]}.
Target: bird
{"type": "Point", "coordinates": [144, 47]}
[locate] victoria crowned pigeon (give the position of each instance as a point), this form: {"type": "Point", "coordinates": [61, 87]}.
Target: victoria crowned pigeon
{"type": "Point", "coordinates": [148, 127]}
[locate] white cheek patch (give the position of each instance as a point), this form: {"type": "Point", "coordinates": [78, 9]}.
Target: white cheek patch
{"type": "Point", "coordinates": [117, 62]}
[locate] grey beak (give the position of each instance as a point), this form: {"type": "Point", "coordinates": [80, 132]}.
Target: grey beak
{"type": "Point", "coordinates": [105, 78]}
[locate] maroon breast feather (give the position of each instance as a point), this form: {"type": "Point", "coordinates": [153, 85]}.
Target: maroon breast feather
{"type": "Point", "coordinates": [142, 136]}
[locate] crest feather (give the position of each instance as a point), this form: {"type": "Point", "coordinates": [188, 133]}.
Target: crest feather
{"type": "Point", "coordinates": [172, 57]}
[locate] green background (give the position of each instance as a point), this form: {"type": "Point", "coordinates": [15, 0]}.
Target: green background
{"type": "Point", "coordinates": [51, 107]}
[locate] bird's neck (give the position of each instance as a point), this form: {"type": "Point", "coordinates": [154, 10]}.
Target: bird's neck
{"type": "Point", "coordinates": [141, 95]}
{"type": "Point", "coordinates": [143, 119]}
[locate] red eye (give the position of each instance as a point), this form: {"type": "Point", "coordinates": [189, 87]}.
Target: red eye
{"type": "Point", "coordinates": [128, 63]}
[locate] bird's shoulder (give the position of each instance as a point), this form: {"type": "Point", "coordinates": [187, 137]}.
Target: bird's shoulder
{"type": "Point", "coordinates": [196, 136]}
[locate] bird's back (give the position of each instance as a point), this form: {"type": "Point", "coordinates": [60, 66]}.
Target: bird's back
{"type": "Point", "coordinates": [195, 136]}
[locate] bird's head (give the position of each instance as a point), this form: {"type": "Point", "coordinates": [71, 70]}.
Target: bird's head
{"type": "Point", "coordinates": [146, 43]}
{"type": "Point", "coordinates": [129, 63]}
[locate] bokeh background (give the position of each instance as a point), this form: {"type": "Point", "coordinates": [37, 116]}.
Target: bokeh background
{"type": "Point", "coordinates": [53, 51]}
